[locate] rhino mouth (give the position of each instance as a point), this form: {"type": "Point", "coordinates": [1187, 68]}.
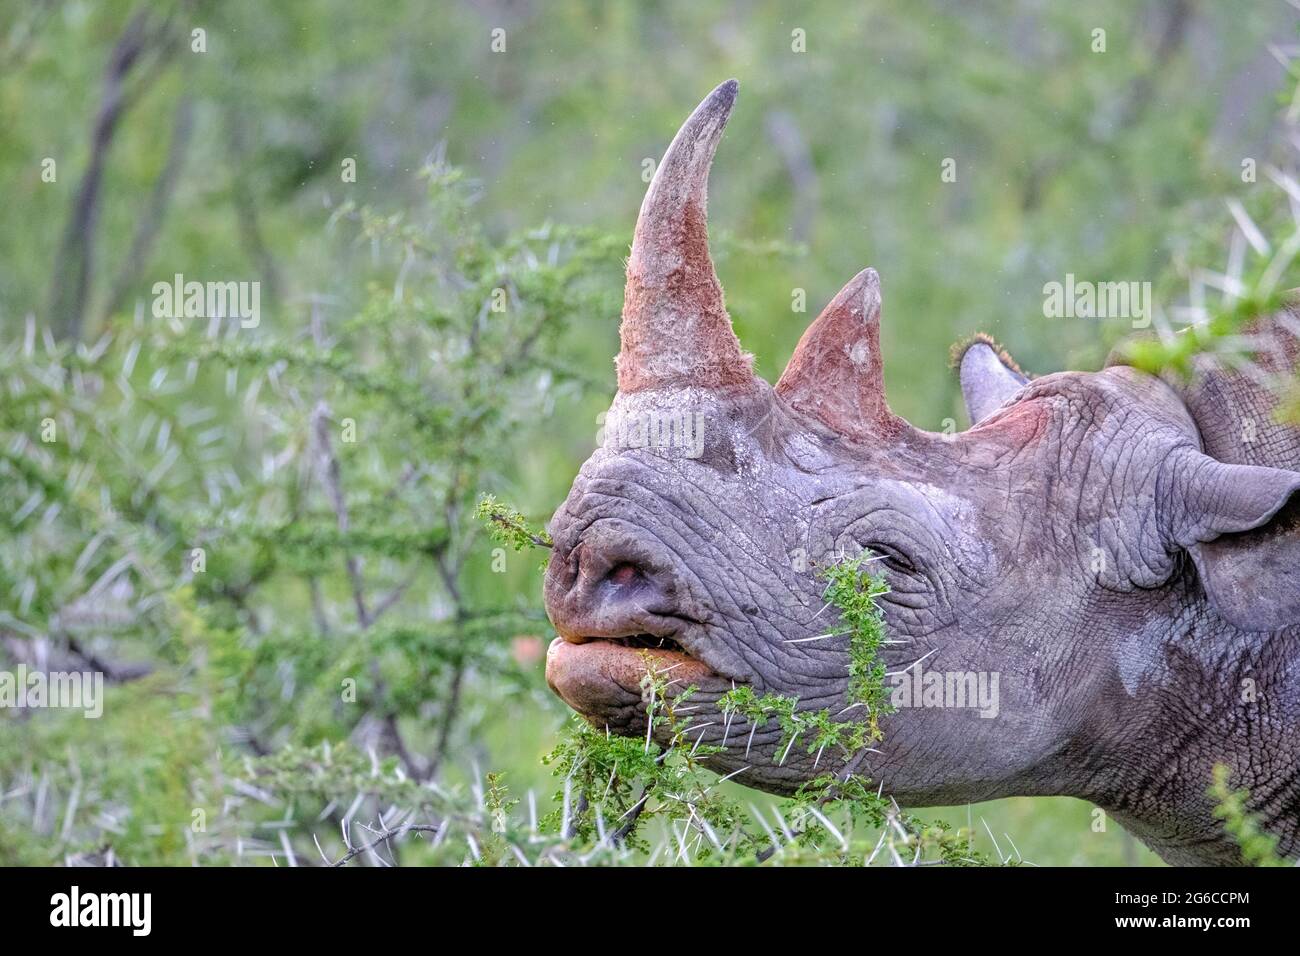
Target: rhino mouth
{"type": "Point", "coordinates": [604, 678]}
{"type": "Point", "coordinates": [647, 642]}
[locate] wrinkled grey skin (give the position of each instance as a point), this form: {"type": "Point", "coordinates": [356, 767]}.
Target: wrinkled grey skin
{"type": "Point", "coordinates": [1059, 543]}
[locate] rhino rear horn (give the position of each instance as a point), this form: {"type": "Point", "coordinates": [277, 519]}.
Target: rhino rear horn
{"type": "Point", "coordinates": [837, 373]}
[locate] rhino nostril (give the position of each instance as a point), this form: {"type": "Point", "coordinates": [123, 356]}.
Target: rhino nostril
{"type": "Point", "coordinates": [623, 574]}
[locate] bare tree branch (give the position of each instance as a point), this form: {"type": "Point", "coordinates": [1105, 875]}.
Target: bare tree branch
{"type": "Point", "coordinates": [449, 713]}
{"type": "Point", "coordinates": [74, 263]}
{"type": "Point", "coordinates": [329, 473]}
{"type": "Point", "coordinates": [151, 221]}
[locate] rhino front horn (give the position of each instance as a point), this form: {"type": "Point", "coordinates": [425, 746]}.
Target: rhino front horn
{"type": "Point", "coordinates": [676, 331]}
{"type": "Point", "coordinates": [836, 373]}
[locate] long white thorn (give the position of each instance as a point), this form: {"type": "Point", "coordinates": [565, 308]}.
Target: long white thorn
{"type": "Point", "coordinates": [879, 844]}
{"type": "Point", "coordinates": [844, 844]}
{"type": "Point", "coordinates": [733, 774]}
{"type": "Point", "coordinates": [911, 665]}
{"type": "Point", "coordinates": [996, 849]}
{"type": "Point", "coordinates": [1248, 228]}
{"type": "Point", "coordinates": [817, 637]}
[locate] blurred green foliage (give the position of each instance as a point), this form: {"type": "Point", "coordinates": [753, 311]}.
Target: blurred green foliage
{"type": "Point", "coordinates": [228, 164]}
{"type": "Point", "coordinates": [1258, 848]}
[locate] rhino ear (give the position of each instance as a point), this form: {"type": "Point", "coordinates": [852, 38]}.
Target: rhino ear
{"type": "Point", "coordinates": [989, 377]}
{"type": "Point", "coordinates": [1241, 526]}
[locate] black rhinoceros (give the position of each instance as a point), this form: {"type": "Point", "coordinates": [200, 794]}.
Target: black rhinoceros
{"type": "Point", "coordinates": [1106, 544]}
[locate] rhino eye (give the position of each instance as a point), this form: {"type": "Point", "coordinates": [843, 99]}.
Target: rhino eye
{"type": "Point", "coordinates": [891, 557]}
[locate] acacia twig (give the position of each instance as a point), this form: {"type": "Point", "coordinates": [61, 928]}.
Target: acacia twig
{"type": "Point", "coordinates": [384, 836]}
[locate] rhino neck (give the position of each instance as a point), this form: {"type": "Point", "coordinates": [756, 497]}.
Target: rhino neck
{"type": "Point", "coordinates": [1169, 709]}
{"type": "Point", "coordinates": [1214, 693]}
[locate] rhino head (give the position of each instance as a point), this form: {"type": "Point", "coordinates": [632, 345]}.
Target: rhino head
{"type": "Point", "coordinates": [1077, 549]}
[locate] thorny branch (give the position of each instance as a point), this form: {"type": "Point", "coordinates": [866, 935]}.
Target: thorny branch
{"type": "Point", "coordinates": [384, 836]}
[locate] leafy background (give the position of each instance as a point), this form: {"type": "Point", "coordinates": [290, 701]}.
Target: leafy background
{"type": "Point", "coordinates": [479, 170]}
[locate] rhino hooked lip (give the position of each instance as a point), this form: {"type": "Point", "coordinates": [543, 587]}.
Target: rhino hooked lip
{"type": "Point", "coordinates": [602, 678]}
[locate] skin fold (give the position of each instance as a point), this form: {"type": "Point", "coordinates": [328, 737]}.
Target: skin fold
{"type": "Point", "coordinates": [1137, 598]}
